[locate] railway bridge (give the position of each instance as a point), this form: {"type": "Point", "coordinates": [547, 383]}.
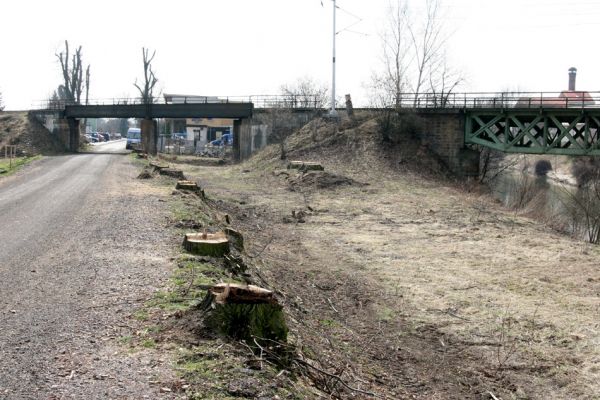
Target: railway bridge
{"type": "Point", "coordinates": [455, 126]}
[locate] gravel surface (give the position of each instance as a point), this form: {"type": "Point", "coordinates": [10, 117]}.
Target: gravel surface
{"type": "Point", "coordinates": [81, 247]}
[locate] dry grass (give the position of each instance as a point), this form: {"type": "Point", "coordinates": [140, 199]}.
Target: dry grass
{"type": "Point", "coordinates": [493, 286]}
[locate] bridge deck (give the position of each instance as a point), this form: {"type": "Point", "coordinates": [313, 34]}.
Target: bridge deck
{"type": "Point", "coordinates": [193, 110]}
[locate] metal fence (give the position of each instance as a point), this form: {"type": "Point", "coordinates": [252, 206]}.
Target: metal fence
{"type": "Point", "coordinates": [259, 101]}
{"type": "Point", "coordinates": [478, 100]}
{"type": "Point", "coordinates": [470, 100]}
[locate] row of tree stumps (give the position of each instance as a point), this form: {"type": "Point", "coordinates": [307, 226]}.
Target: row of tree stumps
{"type": "Point", "coordinates": [240, 311]}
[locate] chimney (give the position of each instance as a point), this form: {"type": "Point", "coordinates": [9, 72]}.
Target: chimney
{"type": "Point", "coordinates": [572, 77]}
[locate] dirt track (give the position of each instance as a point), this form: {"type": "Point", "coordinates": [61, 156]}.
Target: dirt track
{"type": "Point", "coordinates": [82, 246]}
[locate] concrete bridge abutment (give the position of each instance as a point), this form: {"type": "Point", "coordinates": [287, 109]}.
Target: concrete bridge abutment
{"type": "Point", "coordinates": [443, 133]}
{"type": "Point", "coordinates": [68, 133]}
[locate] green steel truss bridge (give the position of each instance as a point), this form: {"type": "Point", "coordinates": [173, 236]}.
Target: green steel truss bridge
{"type": "Point", "coordinates": [565, 123]}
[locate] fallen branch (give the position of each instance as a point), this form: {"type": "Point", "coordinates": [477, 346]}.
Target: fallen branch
{"type": "Point", "coordinates": [331, 305]}
{"type": "Point", "coordinates": [338, 378]}
{"type": "Point", "coordinates": [263, 249]}
{"type": "Point", "coordinates": [448, 312]}
{"type": "Point", "coordinates": [492, 395]}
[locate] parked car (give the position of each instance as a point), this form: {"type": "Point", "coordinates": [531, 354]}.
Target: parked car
{"type": "Point", "coordinates": [225, 140]}
{"type": "Point", "coordinates": [134, 138]}
{"type": "Point", "coordinates": [106, 136]}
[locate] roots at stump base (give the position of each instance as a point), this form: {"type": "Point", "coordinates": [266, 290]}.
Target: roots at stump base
{"type": "Point", "coordinates": [245, 312]}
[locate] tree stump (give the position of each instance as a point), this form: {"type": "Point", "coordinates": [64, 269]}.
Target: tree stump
{"type": "Point", "coordinates": [207, 244]}
{"type": "Point", "coordinates": [145, 174]}
{"type": "Point", "coordinates": [305, 166]}
{"type": "Point", "coordinates": [245, 312]}
{"type": "Point", "coordinates": [174, 173]}
{"type": "Point", "coordinates": [188, 185]}
{"type": "Point", "coordinates": [158, 167]}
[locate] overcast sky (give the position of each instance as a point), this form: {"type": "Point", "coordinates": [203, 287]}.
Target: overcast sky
{"type": "Point", "coordinates": [251, 47]}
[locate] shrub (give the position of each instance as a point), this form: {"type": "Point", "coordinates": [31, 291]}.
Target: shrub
{"type": "Point", "coordinates": [394, 126]}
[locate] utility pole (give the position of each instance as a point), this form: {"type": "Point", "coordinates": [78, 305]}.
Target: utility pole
{"type": "Point", "coordinates": [333, 112]}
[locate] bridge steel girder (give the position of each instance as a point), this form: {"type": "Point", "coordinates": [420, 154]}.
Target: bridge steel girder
{"type": "Point", "coordinates": [574, 132]}
{"type": "Point", "coordinates": [149, 111]}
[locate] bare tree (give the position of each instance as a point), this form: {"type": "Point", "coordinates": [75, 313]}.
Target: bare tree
{"type": "Point", "coordinates": [395, 52]}
{"type": "Point", "coordinates": [442, 81]}
{"type": "Point", "coordinates": [150, 79]}
{"type": "Point", "coordinates": [427, 42]}
{"type": "Point", "coordinates": [413, 55]}
{"type": "Point", "coordinates": [72, 73]}
{"type": "Point", "coordinates": [305, 93]}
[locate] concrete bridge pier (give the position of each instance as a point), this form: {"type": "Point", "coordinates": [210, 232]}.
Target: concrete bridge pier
{"type": "Point", "coordinates": [149, 132]}
{"type": "Point", "coordinates": [444, 134]}
{"type": "Point", "coordinates": [242, 131]}
{"type": "Point", "coordinates": [68, 133]}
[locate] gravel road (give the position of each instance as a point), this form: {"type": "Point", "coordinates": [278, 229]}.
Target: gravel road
{"type": "Point", "coordinates": [82, 245]}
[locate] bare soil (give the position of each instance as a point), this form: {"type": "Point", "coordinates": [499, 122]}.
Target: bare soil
{"type": "Point", "coordinates": [31, 137]}
{"type": "Point", "coordinates": [409, 286]}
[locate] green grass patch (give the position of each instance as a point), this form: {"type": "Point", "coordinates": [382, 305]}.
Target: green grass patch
{"type": "Point", "coordinates": [385, 314]}
{"type": "Point", "coordinates": [11, 166]}
{"type": "Point", "coordinates": [126, 340]}
{"type": "Point", "coordinates": [148, 344]}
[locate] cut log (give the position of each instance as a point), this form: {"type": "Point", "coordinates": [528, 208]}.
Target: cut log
{"type": "Point", "coordinates": [188, 185]}
{"type": "Point", "coordinates": [207, 244]}
{"type": "Point", "coordinates": [174, 173]}
{"type": "Point", "coordinates": [305, 166]}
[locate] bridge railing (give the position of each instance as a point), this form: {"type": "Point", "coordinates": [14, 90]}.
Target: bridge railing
{"type": "Point", "coordinates": [478, 100]}
{"type": "Point", "coordinates": [471, 100]}
{"type": "Point", "coordinates": [259, 101]}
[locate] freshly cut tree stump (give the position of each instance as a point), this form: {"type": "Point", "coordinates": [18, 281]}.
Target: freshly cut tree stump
{"type": "Point", "coordinates": [188, 185]}
{"type": "Point", "coordinates": [245, 312]}
{"type": "Point", "coordinates": [305, 166]}
{"type": "Point", "coordinates": [207, 244]}
{"type": "Point", "coordinates": [174, 173]}
{"type": "Point", "coordinates": [158, 167]}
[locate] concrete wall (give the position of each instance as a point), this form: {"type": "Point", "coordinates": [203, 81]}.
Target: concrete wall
{"type": "Point", "coordinates": [444, 134]}
{"type": "Point", "coordinates": [255, 132]}
{"type": "Point", "coordinates": [68, 132]}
